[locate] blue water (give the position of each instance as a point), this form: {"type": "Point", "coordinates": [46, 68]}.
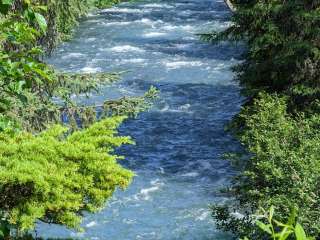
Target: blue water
{"type": "Point", "coordinates": [180, 141]}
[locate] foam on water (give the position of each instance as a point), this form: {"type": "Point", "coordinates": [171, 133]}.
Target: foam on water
{"type": "Point", "coordinates": [122, 10]}
{"type": "Point", "coordinates": [73, 55]}
{"type": "Point", "coordinates": [181, 140]}
{"type": "Point", "coordinates": [154, 34]}
{"type": "Point", "coordinates": [90, 69]}
{"type": "Point", "coordinates": [179, 64]}
{"type": "Point", "coordinates": [190, 174]}
{"type": "Point", "coordinates": [126, 48]}
{"type": "Point", "coordinates": [187, 28]}
{"type": "Point", "coordinates": [157, 5]}
{"type": "Point", "coordinates": [91, 224]}
{"type": "Point", "coordinates": [133, 60]}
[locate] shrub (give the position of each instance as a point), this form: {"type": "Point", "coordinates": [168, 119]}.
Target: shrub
{"type": "Point", "coordinates": [281, 231]}
{"type": "Point", "coordinates": [54, 177]}
{"type": "Point", "coordinates": [283, 168]}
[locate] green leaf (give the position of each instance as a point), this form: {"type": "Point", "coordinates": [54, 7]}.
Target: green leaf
{"type": "Point", "coordinates": [7, 2]}
{"type": "Point", "coordinates": [284, 234]}
{"type": "Point", "coordinates": [264, 227]}
{"type": "Point", "coordinates": [271, 213]}
{"type": "Point", "coordinates": [41, 22]}
{"type": "Point", "coordinates": [293, 216]}
{"type": "Point", "coordinates": [300, 233]}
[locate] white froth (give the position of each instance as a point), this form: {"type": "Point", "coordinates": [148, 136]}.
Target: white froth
{"type": "Point", "coordinates": [133, 60]}
{"type": "Point", "coordinates": [73, 55]}
{"type": "Point", "coordinates": [156, 5]}
{"type": "Point", "coordinates": [122, 10]}
{"type": "Point", "coordinates": [145, 193]}
{"type": "Point", "coordinates": [187, 28]}
{"type": "Point", "coordinates": [190, 174]}
{"type": "Point", "coordinates": [115, 23]}
{"type": "Point", "coordinates": [145, 21]}
{"type": "Point", "coordinates": [91, 224]}
{"type": "Point", "coordinates": [169, 27]}
{"type": "Point", "coordinates": [162, 170]}
{"type": "Point", "coordinates": [185, 106]}
{"type": "Point", "coordinates": [126, 48]}
{"type": "Point", "coordinates": [165, 108]}
{"type": "Point", "coordinates": [203, 216]}
{"type": "Point", "coordinates": [184, 46]}
{"type": "Point", "coordinates": [180, 64]}
{"type": "Point", "coordinates": [89, 69]}
{"type": "Point", "coordinates": [154, 34]}
{"type": "Point", "coordinates": [90, 39]}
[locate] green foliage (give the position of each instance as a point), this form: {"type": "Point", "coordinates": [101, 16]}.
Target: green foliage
{"type": "Point", "coordinates": [283, 45]}
{"type": "Point", "coordinates": [105, 3]}
{"type": "Point", "coordinates": [54, 176]}
{"type": "Point", "coordinates": [279, 123]}
{"type": "Point", "coordinates": [29, 88]}
{"type": "Point", "coordinates": [280, 231]}
{"type": "Point", "coordinates": [283, 169]}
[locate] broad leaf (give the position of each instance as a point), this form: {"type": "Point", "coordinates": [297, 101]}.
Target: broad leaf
{"type": "Point", "coordinates": [41, 22]}
{"type": "Point", "coordinates": [300, 233]}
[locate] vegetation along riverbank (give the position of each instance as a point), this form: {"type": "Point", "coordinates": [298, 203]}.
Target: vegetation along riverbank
{"type": "Point", "coordinates": [279, 123]}
{"type": "Point", "coordinates": [56, 158]}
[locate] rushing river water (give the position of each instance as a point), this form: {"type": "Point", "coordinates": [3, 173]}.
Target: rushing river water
{"type": "Point", "coordinates": [180, 141]}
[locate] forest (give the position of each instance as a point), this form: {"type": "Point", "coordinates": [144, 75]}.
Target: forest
{"type": "Point", "coordinates": [60, 158]}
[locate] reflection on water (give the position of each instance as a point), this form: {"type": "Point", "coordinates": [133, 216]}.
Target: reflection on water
{"type": "Point", "coordinates": [180, 142]}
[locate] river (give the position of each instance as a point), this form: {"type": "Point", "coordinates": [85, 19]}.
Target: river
{"type": "Point", "coordinates": [180, 141]}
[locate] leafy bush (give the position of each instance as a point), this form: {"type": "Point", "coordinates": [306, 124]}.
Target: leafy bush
{"type": "Point", "coordinates": [280, 231]}
{"type": "Point", "coordinates": [54, 177]}
{"type": "Point", "coordinates": [283, 169]}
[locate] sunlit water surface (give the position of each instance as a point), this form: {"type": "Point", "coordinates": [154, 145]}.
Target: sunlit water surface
{"type": "Point", "coordinates": [180, 142]}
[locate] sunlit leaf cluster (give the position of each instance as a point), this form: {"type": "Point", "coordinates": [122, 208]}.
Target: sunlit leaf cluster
{"type": "Point", "coordinates": [54, 177]}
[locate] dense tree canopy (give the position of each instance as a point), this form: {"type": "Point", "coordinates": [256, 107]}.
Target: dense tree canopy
{"type": "Point", "coordinates": [279, 124]}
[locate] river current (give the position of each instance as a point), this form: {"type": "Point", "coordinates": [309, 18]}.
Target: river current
{"type": "Point", "coordinates": [180, 142]}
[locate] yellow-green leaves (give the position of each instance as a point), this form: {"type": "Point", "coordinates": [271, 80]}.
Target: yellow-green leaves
{"type": "Point", "coordinates": [53, 177]}
{"type": "Point", "coordinates": [300, 233]}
